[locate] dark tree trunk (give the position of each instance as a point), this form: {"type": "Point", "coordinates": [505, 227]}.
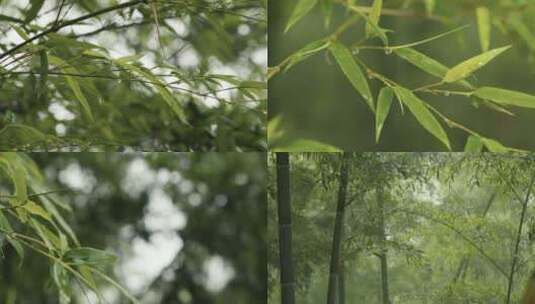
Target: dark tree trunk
{"type": "Point", "coordinates": [285, 229]}
{"type": "Point", "coordinates": [332, 289]}
{"type": "Point", "coordinates": [517, 243]}
{"type": "Point", "coordinates": [382, 240]}
{"type": "Point", "coordinates": [342, 284]}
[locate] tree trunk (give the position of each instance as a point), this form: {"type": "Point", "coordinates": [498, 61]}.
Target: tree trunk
{"type": "Point", "coordinates": [332, 289]}
{"type": "Point", "coordinates": [382, 239]}
{"type": "Point", "coordinates": [285, 229]}
{"type": "Point", "coordinates": [342, 284]}
{"type": "Point", "coordinates": [517, 243]}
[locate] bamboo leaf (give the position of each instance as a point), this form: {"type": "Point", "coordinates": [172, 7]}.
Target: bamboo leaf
{"type": "Point", "coordinates": [89, 256]}
{"type": "Point", "coordinates": [352, 71]}
{"type": "Point", "coordinates": [374, 17]}
{"type": "Point", "coordinates": [6, 228]}
{"type": "Point", "coordinates": [327, 7]}
{"type": "Point", "coordinates": [506, 97]}
{"type": "Point", "coordinates": [384, 102]}
{"type": "Point", "coordinates": [35, 7]}
{"type": "Point", "coordinates": [160, 87]}
{"type": "Point", "coordinates": [494, 146]}
{"type": "Point", "coordinates": [19, 179]}
{"type": "Point", "coordinates": [473, 64]}
{"type": "Point", "coordinates": [305, 52]}
{"type": "Point", "coordinates": [425, 63]}
{"type": "Point", "coordinates": [34, 208]}
{"type": "Point", "coordinates": [473, 144]}
{"type": "Point", "coordinates": [422, 114]}
{"type": "Point", "coordinates": [75, 87]}
{"type": "Point", "coordinates": [302, 8]}
{"type": "Point", "coordinates": [484, 27]}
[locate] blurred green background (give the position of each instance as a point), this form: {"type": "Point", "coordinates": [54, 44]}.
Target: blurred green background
{"type": "Point", "coordinates": [318, 102]}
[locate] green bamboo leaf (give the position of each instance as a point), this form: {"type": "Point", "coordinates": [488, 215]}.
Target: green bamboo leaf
{"type": "Point", "coordinates": [506, 97]}
{"type": "Point", "coordinates": [20, 31]}
{"type": "Point", "coordinates": [484, 27]}
{"type": "Point", "coordinates": [5, 226]}
{"type": "Point", "coordinates": [306, 145]}
{"type": "Point", "coordinates": [422, 114]}
{"type": "Point", "coordinates": [75, 87]}
{"type": "Point", "coordinates": [425, 63]}
{"type": "Point", "coordinates": [160, 87]}
{"type": "Point", "coordinates": [89, 256]}
{"type": "Point", "coordinates": [39, 229]}
{"type": "Point", "coordinates": [352, 71]}
{"type": "Point", "coordinates": [274, 129]}
{"type": "Point", "coordinates": [34, 208]}
{"type": "Point", "coordinates": [302, 8]}
{"type": "Point", "coordinates": [305, 52]}
{"type": "Point", "coordinates": [327, 8]}
{"type": "Point", "coordinates": [19, 179]}
{"type": "Point", "coordinates": [473, 64]}
{"type": "Point", "coordinates": [384, 102]}
{"type": "Point", "coordinates": [35, 7]}
{"type": "Point", "coordinates": [494, 146]}
{"type": "Point", "coordinates": [473, 144]}
{"type": "Point", "coordinates": [374, 17]}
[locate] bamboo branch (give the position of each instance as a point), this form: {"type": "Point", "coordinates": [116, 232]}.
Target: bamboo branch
{"type": "Point", "coordinates": [57, 27]}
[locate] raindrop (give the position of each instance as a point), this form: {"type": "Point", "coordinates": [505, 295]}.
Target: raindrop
{"type": "Point", "coordinates": [388, 51]}
{"type": "Point", "coordinates": [356, 51]}
{"type": "Point", "coordinates": [447, 93]}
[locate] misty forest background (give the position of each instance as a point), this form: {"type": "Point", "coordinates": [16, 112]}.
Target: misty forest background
{"type": "Point", "coordinates": [400, 228]}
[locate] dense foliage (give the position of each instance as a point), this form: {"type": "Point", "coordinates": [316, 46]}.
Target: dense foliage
{"type": "Point", "coordinates": [414, 228]}
{"type": "Point", "coordinates": [199, 207]}
{"type": "Point", "coordinates": [142, 74]}
{"type": "Point", "coordinates": [465, 65]}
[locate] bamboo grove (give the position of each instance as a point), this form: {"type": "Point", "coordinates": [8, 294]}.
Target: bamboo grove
{"type": "Point", "coordinates": [141, 75]}
{"type": "Point", "coordinates": [400, 228]}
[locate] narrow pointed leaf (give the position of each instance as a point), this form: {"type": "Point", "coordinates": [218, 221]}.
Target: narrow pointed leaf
{"type": "Point", "coordinates": [494, 146]}
{"type": "Point", "coordinates": [473, 144]}
{"type": "Point", "coordinates": [34, 208]}
{"type": "Point", "coordinates": [75, 87]}
{"type": "Point", "coordinates": [19, 179]}
{"type": "Point", "coordinates": [160, 87]}
{"type": "Point", "coordinates": [6, 227]}
{"type": "Point", "coordinates": [35, 7]}
{"type": "Point", "coordinates": [384, 102]}
{"type": "Point", "coordinates": [422, 114]}
{"type": "Point", "coordinates": [506, 97]}
{"type": "Point", "coordinates": [327, 8]}
{"type": "Point", "coordinates": [305, 52]}
{"type": "Point", "coordinates": [302, 8]}
{"type": "Point", "coordinates": [484, 27]}
{"type": "Point", "coordinates": [374, 16]}
{"type": "Point", "coordinates": [352, 71]}
{"type": "Point", "coordinates": [425, 63]}
{"type": "Point", "coordinates": [89, 256]}
{"type": "Point", "coordinates": [473, 64]}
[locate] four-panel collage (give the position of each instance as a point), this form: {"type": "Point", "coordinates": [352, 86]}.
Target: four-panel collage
{"type": "Point", "coordinates": [267, 151]}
